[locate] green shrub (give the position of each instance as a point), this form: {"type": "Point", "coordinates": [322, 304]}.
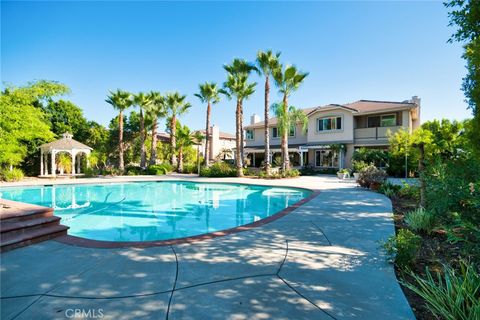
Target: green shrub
{"type": "Point", "coordinates": [159, 169]}
{"type": "Point", "coordinates": [410, 192]}
{"type": "Point", "coordinates": [402, 248]}
{"type": "Point", "coordinates": [219, 169]}
{"type": "Point", "coordinates": [371, 177]}
{"type": "Point", "coordinates": [420, 220]}
{"type": "Point", "coordinates": [91, 172]}
{"type": "Point", "coordinates": [359, 165]}
{"type": "Point", "coordinates": [190, 168]}
{"type": "Point", "coordinates": [311, 171]}
{"type": "Point", "coordinates": [291, 173]}
{"type": "Point", "coordinates": [110, 171]}
{"type": "Point", "coordinates": [452, 294]}
{"type": "Point", "coordinates": [11, 175]}
{"type": "Point", "coordinates": [134, 171]}
{"type": "Point", "coordinates": [390, 190]}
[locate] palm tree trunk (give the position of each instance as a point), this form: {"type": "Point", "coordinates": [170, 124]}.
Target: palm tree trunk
{"type": "Point", "coordinates": [207, 136]}
{"type": "Point", "coordinates": [242, 136]}
{"type": "Point", "coordinates": [120, 141]}
{"type": "Point", "coordinates": [180, 160]}
{"type": "Point", "coordinates": [173, 141]}
{"type": "Point", "coordinates": [238, 140]}
{"type": "Point", "coordinates": [143, 156]}
{"type": "Point", "coordinates": [285, 157]}
{"type": "Point", "coordinates": [267, 131]}
{"type": "Point", "coordinates": [153, 151]}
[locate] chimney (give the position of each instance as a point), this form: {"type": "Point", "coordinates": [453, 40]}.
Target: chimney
{"type": "Point", "coordinates": [254, 118]}
{"type": "Point", "coordinates": [214, 141]}
{"type": "Point", "coordinates": [416, 100]}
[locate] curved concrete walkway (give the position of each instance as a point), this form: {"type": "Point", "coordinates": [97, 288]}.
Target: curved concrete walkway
{"type": "Point", "coordinates": [322, 261]}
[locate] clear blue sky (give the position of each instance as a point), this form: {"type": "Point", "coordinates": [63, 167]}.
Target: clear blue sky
{"type": "Point", "coordinates": [353, 50]}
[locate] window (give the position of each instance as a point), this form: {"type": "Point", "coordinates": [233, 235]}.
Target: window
{"type": "Point", "coordinates": [329, 124]}
{"type": "Point", "coordinates": [248, 134]}
{"type": "Point", "coordinates": [388, 120]}
{"type": "Point", "coordinates": [326, 158]}
{"type": "Point", "coordinates": [276, 132]}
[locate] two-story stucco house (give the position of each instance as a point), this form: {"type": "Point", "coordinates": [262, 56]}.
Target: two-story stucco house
{"type": "Point", "coordinates": [363, 123]}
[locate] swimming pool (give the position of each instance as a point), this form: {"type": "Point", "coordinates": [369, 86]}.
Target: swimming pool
{"type": "Point", "coordinates": [150, 211]}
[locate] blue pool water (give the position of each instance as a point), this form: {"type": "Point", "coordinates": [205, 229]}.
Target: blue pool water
{"type": "Point", "coordinates": [150, 211]}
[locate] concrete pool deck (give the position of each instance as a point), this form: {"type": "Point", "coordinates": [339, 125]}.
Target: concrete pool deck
{"type": "Point", "coordinates": [321, 261]}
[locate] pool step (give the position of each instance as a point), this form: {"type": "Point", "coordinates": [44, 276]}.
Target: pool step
{"type": "Point", "coordinates": [22, 224]}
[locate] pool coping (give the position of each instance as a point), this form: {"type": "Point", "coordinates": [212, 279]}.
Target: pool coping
{"type": "Point", "coordinates": [102, 244]}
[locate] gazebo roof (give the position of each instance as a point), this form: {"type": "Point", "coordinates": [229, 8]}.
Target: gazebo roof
{"type": "Point", "coordinates": [65, 143]}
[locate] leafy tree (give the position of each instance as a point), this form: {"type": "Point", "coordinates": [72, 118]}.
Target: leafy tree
{"type": "Point", "coordinates": [156, 110]}
{"type": "Point", "coordinates": [288, 81]}
{"type": "Point", "coordinates": [142, 101]}
{"type": "Point", "coordinates": [23, 124]}
{"type": "Point", "coordinates": [465, 14]}
{"type": "Point", "coordinates": [176, 105]}
{"type": "Point", "coordinates": [237, 86]}
{"type": "Point", "coordinates": [289, 119]}
{"type": "Point", "coordinates": [268, 63]}
{"type": "Point", "coordinates": [185, 138]}
{"type": "Point", "coordinates": [64, 116]}
{"type": "Point", "coordinates": [209, 94]}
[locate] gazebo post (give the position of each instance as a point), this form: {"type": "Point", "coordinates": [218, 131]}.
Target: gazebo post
{"type": "Point", "coordinates": [73, 154]}
{"type": "Point", "coordinates": [41, 162]}
{"type": "Point", "coordinates": [54, 169]}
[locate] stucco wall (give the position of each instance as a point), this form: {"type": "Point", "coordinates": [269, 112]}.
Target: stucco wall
{"type": "Point", "coordinates": [346, 134]}
{"type": "Point", "coordinates": [259, 138]}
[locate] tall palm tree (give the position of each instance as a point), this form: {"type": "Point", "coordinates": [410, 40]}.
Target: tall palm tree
{"type": "Point", "coordinates": [209, 93]}
{"type": "Point", "coordinates": [156, 110]}
{"type": "Point", "coordinates": [143, 101]}
{"type": "Point", "coordinates": [176, 105]}
{"type": "Point", "coordinates": [268, 64]}
{"type": "Point", "coordinates": [237, 86]}
{"type": "Point", "coordinates": [288, 81]}
{"type": "Point", "coordinates": [184, 139]}
{"type": "Point", "coordinates": [120, 100]}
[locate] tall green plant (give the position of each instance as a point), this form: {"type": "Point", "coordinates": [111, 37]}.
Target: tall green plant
{"type": "Point", "coordinates": [121, 101]}
{"type": "Point", "coordinates": [185, 138]}
{"type": "Point", "coordinates": [156, 110]}
{"type": "Point", "coordinates": [209, 94]}
{"type": "Point", "coordinates": [288, 81]}
{"type": "Point", "coordinates": [237, 86]}
{"type": "Point", "coordinates": [452, 294]}
{"type": "Point", "coordinates": [268, 63]}
{"type": "Point", "coordinates": [176, 105]}
{"type": "Point", "coordinates": [142, 101]}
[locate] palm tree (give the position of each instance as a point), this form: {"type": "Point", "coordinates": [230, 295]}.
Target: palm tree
{"type": "Point", "coordinates": [143, 101]}
{"type": "Point", "coordinates": [120, 100]}
{"type": "Point", "coordinates": [288, 81]}
{"type": "Point", "coordinates": [289, 119]}
{"type": "Point", "coordinates": [155, 110]}
{"type": "Point", "coordinates": [237, 86]}
{"type": "Point", "coordinates": [176, 105]}
{"type": "Point", "coordinates": [268, 64]}
{"type": "Point", "coordinates": [209, 93]}
{"type": "Point", "coordinates": [184, 139]}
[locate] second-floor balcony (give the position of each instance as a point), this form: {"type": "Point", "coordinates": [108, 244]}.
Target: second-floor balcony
{"type": "Point", "coordinates": [375, 133]}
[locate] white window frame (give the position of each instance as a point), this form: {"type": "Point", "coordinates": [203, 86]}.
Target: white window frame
{"type": "Point", "coordinates": [330, 117]}
{"type": "Point", "coordinates": [253, 134]}
{"type": "Point", "coordinates": [381, 118]}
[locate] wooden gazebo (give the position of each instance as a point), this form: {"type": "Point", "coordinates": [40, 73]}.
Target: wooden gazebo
{"type": "Point", "coordinates": [65, 144]}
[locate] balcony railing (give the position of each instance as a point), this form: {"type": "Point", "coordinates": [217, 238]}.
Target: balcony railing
{"type": "Point", "coordinates": [376, 133]}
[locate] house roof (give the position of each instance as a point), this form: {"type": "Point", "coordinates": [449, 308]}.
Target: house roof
{"type": "Point", "coordinates": [358, 107]}
{"type": "Point", "coordinates": [65, 143]}
{"type": "Point", "coordinates": [222, 135]}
